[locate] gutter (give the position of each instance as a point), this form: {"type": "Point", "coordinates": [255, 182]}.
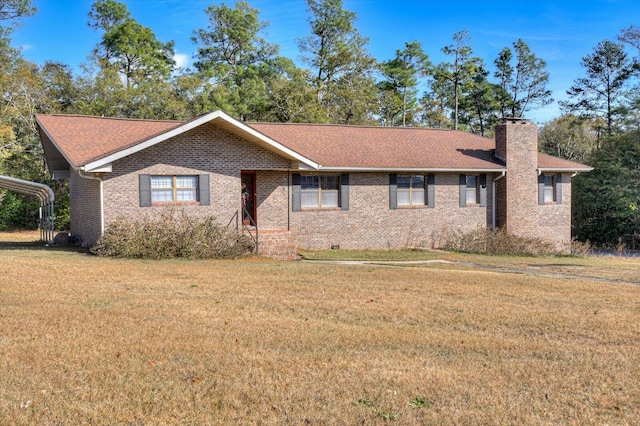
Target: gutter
{"type": "Point", "coordinates": [493, 201]}
{"type": "Point", "coordinates": [84, 175]}
{"type": "Point", "coordinates": [408, 169]}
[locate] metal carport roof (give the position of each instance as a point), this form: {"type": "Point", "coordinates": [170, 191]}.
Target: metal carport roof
{"type": "Point", "coordinates": [44, 194]}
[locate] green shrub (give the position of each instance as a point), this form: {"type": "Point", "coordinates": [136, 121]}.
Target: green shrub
{"type": "Point", "coordinates": [487, 241]}
{"type": "Point", "coordinates": [171, 234]}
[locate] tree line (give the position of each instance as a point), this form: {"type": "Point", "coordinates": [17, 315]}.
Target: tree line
{"type": "Point", "coordinates": [131, 73]}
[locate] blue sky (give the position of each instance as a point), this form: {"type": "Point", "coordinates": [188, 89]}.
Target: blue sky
{"type": "Point", "coordinates": [560, 32]}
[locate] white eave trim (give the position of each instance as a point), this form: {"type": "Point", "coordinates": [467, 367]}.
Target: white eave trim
{"type": "Point", "coordinates": [557, 170]}
{"type": "Point", "coordinates": [406, 169]}
{"type": "Point", "coordinates": [107, 168]}
{"type": "Point", "coordinates": [94, 165]}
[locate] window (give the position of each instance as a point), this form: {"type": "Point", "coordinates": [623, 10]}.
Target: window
{"type": "Point", "coordinates": [174, 189]}
{"type": "Point", "coordinates": [549, 189]}
{"type": "Point", "coordinates": [472, 193]}
{"type": "Point", "coordinates": [411, 190]}
{"type": "Point", "coordinates": [163, 189]}
{"type": "Point", "coordinates": [473, 190]}
{"type": "Point", "coordinates": [320, 191]}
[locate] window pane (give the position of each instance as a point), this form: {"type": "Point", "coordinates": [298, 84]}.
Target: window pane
{"type": "Point", "coordinates": [308, 182]}
{"type": "Point", "coordinates": [471, 196]}
{"type": "Point", "coordinates": [403, 197]}
{"type": "Point", "coordinates": [162, 196]}
{"type": "Point", "coordinates": [309, 199]}
{"type": "Point", "coordinates": [186, 181]}
{"type": "Point", "coordinates": [417, 182]}
{"type": "Point", "coordinates": [329, 198]}
{"type": "Point", "coordinates": [403, 181]}
{"type": "Point", "coordinates": [161, 182]}
{"type": "Point", "coordinates": [330, 182]}
{"type": "Point", "coordinates": [417, 197]}
{"type": "Point", "coordinates": [186, 194]}
{"type": "Point", "coordinates": [471, 182]}
{"type": "Point", "coordinates": [549, 188]}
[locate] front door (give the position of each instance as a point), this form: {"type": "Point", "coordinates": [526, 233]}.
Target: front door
{"type": "Point", "coordinates": [248, 198]}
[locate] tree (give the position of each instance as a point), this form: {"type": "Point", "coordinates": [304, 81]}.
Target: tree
{"type": "Point", "coordinates": [631, 36]}
{"type": "Point", "coordinates": [568, 137]}
{"type": "Point", "coordinates": [525, 89]}
{"type": "Point", "coordinates": [504, 74]}
{"type": "Point", "coordinates": [23, 92]}
{"type": "Point", "coordinates": [606, 201]}
{"type": "Point", "coordinates": [10, 12]}
{"type": "Point", "coordinates": [130, 74]}
{"type": "Point", "coordinates": [599, 94]}
{"type": "Point", "coordinates": [454, 77]}
{"type": "Point", "coordinates": [291, 98]}
{"type": "Point", "coordinates": [435, 112]}
{"type": "Point", "coordinates": [399, 89]}
{"type": "Point", "coordinates": [130, 48]}
{"type": "Point", "coordinates": [343, 68]}
{"type": "Point", "coordinates": [235, 60]}
{"type": "Point", "coordinates": [480, 107]}
{"type": "Point", "coordinates": [59, 87]}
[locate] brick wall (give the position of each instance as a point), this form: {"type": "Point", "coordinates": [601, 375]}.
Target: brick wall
{"type": "Point", "coordinates": [84, 208]}
{"type": "Point", "coordinates": [370, 223]}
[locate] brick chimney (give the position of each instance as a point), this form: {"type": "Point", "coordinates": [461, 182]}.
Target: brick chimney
{"type": "Point", "coordinates": [517, 192]}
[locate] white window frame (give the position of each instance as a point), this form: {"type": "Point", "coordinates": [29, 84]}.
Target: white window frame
{"type": "Point", "coordinates": [472, 194]}
{"type": "Point", "coordinates": [175, 188]}
{"type": "Point", "coordinates": [550, 182]}
{"type": "Point", "coordinates": [413, 192]}
{"type": "Point", "coordinates": [317, 194]}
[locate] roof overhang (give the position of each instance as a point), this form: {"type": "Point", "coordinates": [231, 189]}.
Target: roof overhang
{"type": "Point", "coordinates": [221, 120]}
{"type": "Point", "coordinates": [408, 169]}
{"type": "Point", "coordinates": [57, 162]}
{"type": "Point", "coordinates": [576, 170]}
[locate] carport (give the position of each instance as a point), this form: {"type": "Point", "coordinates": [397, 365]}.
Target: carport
{"type": "Point", "coordinates": [44, 194]}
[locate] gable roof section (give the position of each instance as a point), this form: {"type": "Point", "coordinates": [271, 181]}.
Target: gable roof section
{"type": "Point", "coordinates": [81, 139]}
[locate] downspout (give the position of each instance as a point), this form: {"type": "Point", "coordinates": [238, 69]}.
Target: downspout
{"type": "Point", "coordinates": [87, 176]}
{"type": "Point", "coordinates": [288, 200]}
{"type": "Point", "coordinates": [493, 201]}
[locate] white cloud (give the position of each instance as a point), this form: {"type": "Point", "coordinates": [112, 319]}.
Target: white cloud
{"type": "Point", "coordinates": [182, 60]}
{"type": "Point", "coordinates": [26, 47]}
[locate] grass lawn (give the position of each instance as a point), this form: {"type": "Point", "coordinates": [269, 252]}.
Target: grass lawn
{"type": "Point", "coordinates": [88, 340]}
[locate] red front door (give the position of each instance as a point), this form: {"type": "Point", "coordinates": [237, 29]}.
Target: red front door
{"type": "Point", "coordinates": [248, 198]}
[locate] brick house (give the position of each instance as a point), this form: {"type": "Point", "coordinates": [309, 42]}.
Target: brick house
{"type": "Point", "coordinates": [311, 186]}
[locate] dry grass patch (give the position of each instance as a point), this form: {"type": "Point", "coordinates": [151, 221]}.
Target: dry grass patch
{"type": "Point", "coordinates": [87, 340]}
{"type": "Point", "coordinates": [625, 269]}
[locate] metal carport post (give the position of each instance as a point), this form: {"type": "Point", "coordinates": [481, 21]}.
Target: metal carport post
{"type": "Point", "coordinates": [44, 194]}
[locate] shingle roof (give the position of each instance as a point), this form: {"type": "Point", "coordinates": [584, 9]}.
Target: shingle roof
{"type": "Point", "coordinates": [549, 162]}
{"type": "Point", "coordinates": [336, 146]}
{"type": "Point", "coordinates": [84, 139]}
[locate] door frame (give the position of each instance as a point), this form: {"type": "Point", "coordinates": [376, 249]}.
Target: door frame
{"type": "Point", "coordinates": [249, 177]}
